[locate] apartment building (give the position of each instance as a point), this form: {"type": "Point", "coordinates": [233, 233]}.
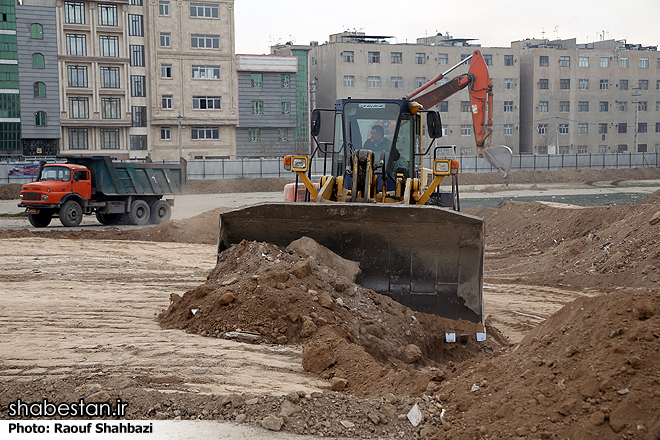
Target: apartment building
{"type": "Point", "coordinates": [601, 97]}
{"type": "Point", "coordinates": [267, 105]}
{"type": "Point", "coordinates": [10, 106]}
{"type": "Point", "coordinates": [356, 65]}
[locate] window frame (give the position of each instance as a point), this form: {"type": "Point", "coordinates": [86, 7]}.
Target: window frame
{"type": "Point", "coordinates": [213, 40]}
{"type": "Point", "coordinates": [109, 139]}
{"type": "Point", "coordinates": [167, 102]}
{"type": "Point", "coordinates": [107, 14]}
{"type": "Point", "coordinates": [165, 133]}
{"type": "Point", "coordinates": [199, 68]}
{"type": "Point", "coordinates": [70, 75]}
{"type": "Point", "coordinates": [163, 8]}
{"type": "Point", "coordinates": [109, 77]}
{"type": "Point", "coordinates": [165, 39]}
{"type": "Point", "coordinates": [373, 57]}
{"type": "Point", "coordinates": [396, 58]}
{"type": "Point", "coordinates": [110, 108]}
{"type": "Point", "coordinates": [207, 103]}
{"type": "Point", "coordinates": [78, 9]}
{"type": "Point", "coordinates": [40, 118]}
{"type": "Point", "coordinates": [80, 134]}
{"type": "Point", "coordinates": [109, 44]}
{"type": "Point", "coordinates": [203, 7]}
{"type": "Point", "coordinates": [78, 107]}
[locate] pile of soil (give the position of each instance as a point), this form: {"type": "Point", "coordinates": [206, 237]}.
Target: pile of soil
{"type": "Point", "coordinates": [233, 186]}
{"type": "Point", "coordinates": [260, 292]}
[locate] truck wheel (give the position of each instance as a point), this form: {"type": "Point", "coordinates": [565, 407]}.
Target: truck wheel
{"type": "Point", "coordinates": [40, 219]}
{"type": "Point", "coordinates": [71, 213]}
{"type": "Point", "coordinates": [140, 213]}
{"type": "Point", "coordinates": [160, 212]}
{"type": "Point", "coordinates": [108, 219]}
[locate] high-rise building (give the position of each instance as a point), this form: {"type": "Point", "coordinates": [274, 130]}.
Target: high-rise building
{"type": "Point", "coordinates": [10, 105]}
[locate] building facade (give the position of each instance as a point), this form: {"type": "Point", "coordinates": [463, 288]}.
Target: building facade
{"type": "Point", "coordinates": [267, 105]}
{"type": "Point", "coordinates": [10, 105]}
{"type": "Point", "coordinates": [602, 97]}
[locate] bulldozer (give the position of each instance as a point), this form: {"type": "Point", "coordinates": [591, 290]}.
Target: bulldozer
{"type": "Point", "coordinates": [378, 206]}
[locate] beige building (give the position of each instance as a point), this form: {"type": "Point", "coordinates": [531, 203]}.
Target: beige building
{"type": "Point", "coordinates": [147, 79]}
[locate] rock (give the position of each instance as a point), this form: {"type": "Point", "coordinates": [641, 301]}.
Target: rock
{"type": "Point", "coordinates": [597, 418]}
{"type": "Point", "coordinates": [100, 396]}
{"type": "Point", "coordinates": [655, 219]}
{"type": "Point", "coordinates": [317, 356]}
{"type": "Point", "coordinates": [272, 423]}
{"type": "Point", "coordinates": [644, 309]}
{"type": "Point", "coordinates": [230, 281]}
{"type": "Point", "coordinates": [567, 407]}
{"type": "Point", "coordinates": [226, 298]}
{"type": "Point", "coordinates": [288, 409]}
{"type": "Point", "coordinates": [237, 400]}
{"type": "Point", "coordinates": [415, 416]}
{"type": "Point", "coordinates": [293, 397]}
{"type": "Point", "coordinates": [388, 410]}
{"type": "Point", "coordinates": [411, 354]}
{"type": "Point", "coordinates": [161, 416]}
{"type": "Point", "coordinates": [338, 384]}
{"type": "Point", "coordinates": [301, 269]}
{"type": "Point", "coordinates": [252, 401]}
{"type": "Point", "coordinates": [374, 416]}
{"type": "Point", "coordinates": [308, 328]}
{"type": "Point", "coordinates": [575, 247]}
{"type": "Point", "coordinates": [425, 431]}
{"type": "Point", "coordinates": [311, 249]}
{"type": "Point", "coordinates": [347, 424]}
{"type": "Point", "coordinates": [240, 418]}
{"type": "Point", "coordinates": [293, 317]}
{"type": "Point", "coordinates": [326, 300]}
{"type": "Point", "coordinates": [589, 387]}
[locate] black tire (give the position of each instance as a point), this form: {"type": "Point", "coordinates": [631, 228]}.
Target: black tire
{"type": "Point", "coordinates": [161, 211]}
{"type": "Point", "coordinates": [71, 213]}
{"type": "Point", "coordinates": [40, 219]}
{"type": "Point", "coordinates": [140, 213]}
{"type": "Point", "coordinates": [108, 219]}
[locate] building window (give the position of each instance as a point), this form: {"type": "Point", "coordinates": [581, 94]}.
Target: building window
{"type": "Point", "coordinates": [110, 77]}
{"type": "Point", "coordinates": [349, 81]}
{"type": "Point", "coordinates": [257, 107]}
{"type": "Point", "coordinates": [443, 106]}
{"type": "Point", "coordinates": [78, 139]}
{"type": "Point", "coordinates": [623, 63]}
{"type": "Point", "coordinates": [583, 62]}
{"type": "Point", "coordinates": [508, 83]}
{"type": "Point", "coordinates": [604, 62]}
{"type": "Point", "coordinates": [79, 108]}
{"type": "Point", "coordinates": [285, 81]}
{"type": "Point", "coordinates": [465, 106]}
{"type": "Point", "coordinates": [641, 148]}
{"type": "Point", "coordinates": [602, 128]}
{"type": "Point", "coordinates": [205, 41]}
{"type": "Point", "coordinates": [657, 83]}
{"type": "Point", "coordinates": [204, 10]}
{"type": "Point", "coordinates": [206, 72]}
{"type": "Point", "coordinates": [282, 134]}
{"type": "Point", "coordinates": [107, 15]}
{"type": "Point", "coordinates": [286, 108]}
{"type": "Point", "coordinates": [77, 76]}
{"type": "Point", "coordinates": [420, 81]}
{"type": "Point", "coordinates": [39, 90]}
{"type": "Point", "coordinates": [111, 108]}
{"type": "Point", "coordinates": [165, 39]}
{"type": "Point", "coordinates": [657, 127]}
{"type": "Point", "coordinates": [643, 84]}
{"type": "Point", "coordinates": [508, 129]}
{"type": "Point", "coordinates": [543, 129]}
{"type": "Point", "coordinates": [563, 128]}
{"type": "Point", "coordinates": [138, 85]}
{"type": "Point", "coordinates": [563, 149]}
{"type": "Point", "coordinates": [642, 106]}
{"type": "Point", "coordinates": [583, 128]}
{"type": "Point", "coordinates": [165, 133]}
{"type": "Point", "coordinates": [256, 80]}
{"type": "Point", "coordinates": [564, 61]}
{"type": "Point", "coordinates": [508, 60]}
{"type": "Point", "coordinates": [488, 60]}
{"type": "Point", "coordinates": [136, 28]}
{"type": "Point", "coordinates": [205, 133]}
{"type": "Point", "coordinates": [110, 138]}
{"type": "Point", "coordinates": [420, 58]}
{"type": "Point", "coordinates": [38, 61]}
{"type": "Point", "coordinates": [254, 134]}
{"type": "Point", "coordinates": [443, 58]}
{"type": "Point", "coordinates": [657, 106]}
{"type": "Point", "coordinates": [74, 12]}
{"type": "Point", "coordinates": [139, 116]}
{"type": "Point", "coordinates": [623, 106]}
{"type": "Point", "coordinates": [622, 148]}
{"type": "Point", "coordinates": [543, 84]}
{"type": "Point", "coordinates": [623, 84]}
{"type": "Point", "coordinates": [543, 106]}
{"type": "Point", "coordinates": [602, 149]}
{"type": "Point", "coordinates": [164, 8]}
{"type": "Point", "coordinates": [641, 127]}
{"type": "Point", "coordinates": [136, 2]}
{"type": "Point", "coordinates": [137, 55]}
{"type": "Point", "coordinates": [348, 56]}
{"type": "Point", "coordinates": [138, 142]}
{"type": "Point", "coordinates": [373, 81]}
{"type": "Point", "coordinates": [396, 57]}
{"type": "Point", "coordinates": [508, 106]}
{"type": "Point", "coordinates": [373, 57]}
{"type": "Point", "coordinates": [603, 106]}
{"type": "Point", "coordinates": [543, 149]}
{"type": "Point", "coordinates": [583, 84]}
{"type": "Point", "coordinates": [544, 61]}
{"type": "Point", "coordinates": [583, 106]}
{"type": "Point", "coordinates": [623, 127]}
{"type": "Point", "coordinates": [564, 106]}
{"type": "Point", "coordinates": [36, 31]}
{"type": "Point", "coordinates": [166, 71]}
{"type": "Point", "coordinates": [583, 149]}
{"type": "Point", "coordinates": [396, 82]}
{"type": "Point", "coordinates": [109, 46]}
{"type": "Point", "coordinates": [565, 84]}
{"type": "Point", "coordinates": [208, 103]}
{"type": "Point", "coordinates": [643, 63]}
{"type": "Point", "coordinates": [76, 44]}
{"type": "Point", "coordinates": [604, 84]}
{"type": "Point", "coordinates": [466, 130]}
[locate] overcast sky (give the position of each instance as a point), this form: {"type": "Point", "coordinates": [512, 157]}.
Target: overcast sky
{"type": "Point", "coordinates": [493, 23]}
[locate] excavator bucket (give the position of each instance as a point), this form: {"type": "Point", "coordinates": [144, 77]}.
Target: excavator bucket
{"type": "Point", "coordinates": [425, 257]}
{"type": "Point", "coordinates": [500, 157]}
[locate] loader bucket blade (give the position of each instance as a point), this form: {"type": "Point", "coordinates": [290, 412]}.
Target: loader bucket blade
{"type": "Point", "coordinates": [425, 257]}
{"type": "Point", "coordinates": [500, 157]}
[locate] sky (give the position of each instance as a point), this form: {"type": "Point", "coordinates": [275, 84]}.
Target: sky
{"type": "Point", "coordinates": [493, 23]}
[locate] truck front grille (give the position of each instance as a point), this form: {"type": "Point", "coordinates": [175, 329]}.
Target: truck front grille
{"type": "Point", "coordinates": [31, 196]}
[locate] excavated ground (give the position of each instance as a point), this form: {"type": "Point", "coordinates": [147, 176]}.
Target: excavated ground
{"type": "Point", "coordinates": [588, 371]}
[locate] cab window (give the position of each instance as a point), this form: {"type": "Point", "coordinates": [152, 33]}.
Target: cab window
{"type": "Point", "coordinates": [56, 173]}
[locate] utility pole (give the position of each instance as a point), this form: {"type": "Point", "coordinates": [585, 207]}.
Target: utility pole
{"type": "Point", "coordinates": [557, 133]}
{"type": "Point", "coordinates": [180, 145]}
{"type": "Point", "coordinates": [636, 95]}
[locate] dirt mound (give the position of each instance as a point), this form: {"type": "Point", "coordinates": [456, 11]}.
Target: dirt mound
{"type": "Point", "coordinates": [259, 292]}
{"type": "Point", "coordinates": [10, 191]}
{"type": "Point", "coordinates": [231, 186]}
{"type": "Point", "coordinates": [588, 372]}
{"type": "Point", "coordinates": [563, 175]}
{"type": "Point", "coordinates": [652, 199]}
{"type": "Point", "coordinates": [556, 244]}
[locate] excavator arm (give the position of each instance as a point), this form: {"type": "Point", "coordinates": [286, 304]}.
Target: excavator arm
{"type": "Point", "coordinates": [480, 89]}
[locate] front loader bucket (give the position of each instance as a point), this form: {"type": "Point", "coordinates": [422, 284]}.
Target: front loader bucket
{"type": "Point", "coordinates": [425, 257]}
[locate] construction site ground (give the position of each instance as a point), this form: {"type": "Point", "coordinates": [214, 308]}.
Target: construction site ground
{"type": "Point", "coordinates": [80, 319]}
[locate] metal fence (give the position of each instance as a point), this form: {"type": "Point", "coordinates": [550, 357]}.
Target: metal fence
{"type": "Point", "coordinates": [273, 167]}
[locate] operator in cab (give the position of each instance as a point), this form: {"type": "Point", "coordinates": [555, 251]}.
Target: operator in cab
{"type": "Point", "coordinates": [377, 142]}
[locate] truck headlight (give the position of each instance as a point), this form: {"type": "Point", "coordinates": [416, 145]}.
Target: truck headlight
{"type": "Point", "coordinates": [299, 162]}
{"type": "Point", "coordinates": [44, 197]}
{"type": "Point", "coordinates": [441, 167]}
